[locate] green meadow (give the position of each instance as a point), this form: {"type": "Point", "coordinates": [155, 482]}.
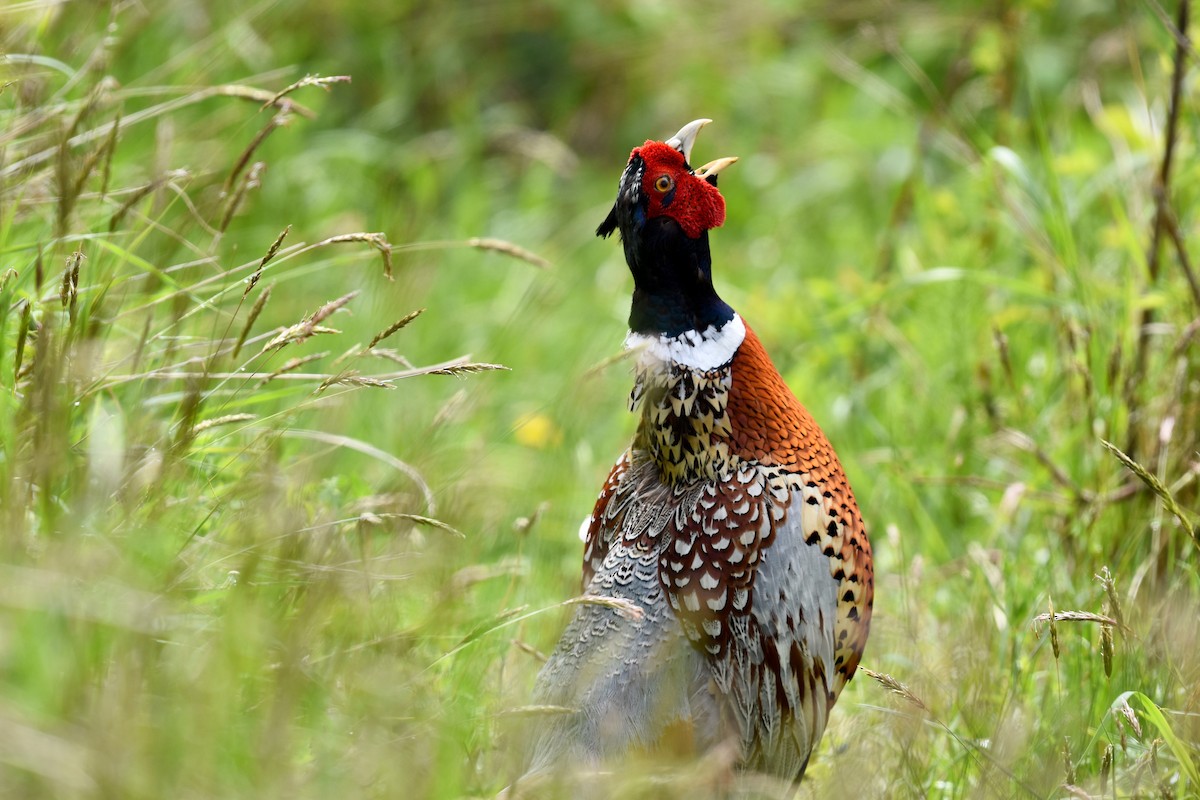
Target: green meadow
{"type": "Point", "coordinates": [310, 370]}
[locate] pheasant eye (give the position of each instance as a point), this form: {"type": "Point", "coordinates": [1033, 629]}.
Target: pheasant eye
{"type": "Point", "coordinates": [664, 183]}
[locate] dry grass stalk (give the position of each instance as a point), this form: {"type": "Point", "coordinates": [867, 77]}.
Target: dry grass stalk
{"type": "Point", "coordinates": [451, 367]}
{"type": "Point", "coordinates": [162, 109]}
{"type": "Point", "coordinates": [530, 650]}
{"type": "Point", "coordinates": [456, 366]}
{"type": "Point", "coordinates": [110, 148]}
{"type": "Point", "coordinates": [364, 380]}
{"type": "Point", "coordinates": [175, 374]}
{"type": "Point", "coordinates": [352, 352]}
{"type": "Point", "coordinates": [77, 259]}
{"type": "Point", "coordinates": [64, 293]}
{"type": "Point", "coordinates": [375, 502]}
{"type": "Point", "coordinates": [605, 363]}
{"type": "Point", "coordinates": [309, 326]}
{"type": "Point", "coordinates": [22, 337]}
{"type": "Point", "coordinates": [395, 326]}
{"type": "Point", "coordinates": [1074, 616]}
{"type": "Point", "coordinates": [140, 193]}
{"type": "Point", "coordinates": [1025, 442]}
{"type": "Point", "coordinates": [374, 452]}
{"type": "Point", "coordinates": [482, 243]}
{"type": "Point", "coordinates": [1053, 630]}
{"type": "Point", "coordinates": [69, 294]}
{"type": "Point", "coordinates": [354, 379]}
{"type": "Point", "coordinates": [271, 251]}
{"type": "Point", "coordinates": [189, 409]}
{"type": "Point", "coordinates": [103, 151]}
{"type": "Point", "coordinates": [10, 274]}
{"type": "Point", "coordinates": [509, 249]}
{"type": "Point", "coordinates": [277, 121]}
{"type": "Point", "coordinates": [1106, 766]}
{"type": "Point", "coordinates": [428, 522]}
{"type": "Point", "coordinates": [252, 180]}
{"type": "Point", "coordinates": [377, 240]}
{"type": "Point", "coordinates": [390, 355]}
{"type": "Point", "coordinates": [1157, 487]}
{"type": "Point", "coordinates": [623, 607]}
{"type": "Point", "coordinates": [1184, 343]}
{"type": "Point", "coordinates": [1158, 226]}
{"type": "Point", "coordinates": [895, 687]}
{"type": "Point", "coordinates": [228, 419]}
{"type": "Point", "coordinates": [255, 310]}
{"type": "Point", "coordinates": [1162, 783]}
{"type": "Point", "coordinates": [1130, 717]}
{"type": "Point", "coordinates": [465, 369]}
{"type": "Point", "coordinates": [292, 364]}
{"type": "Point", "coordinates": [1001, 343]}
{"type": "Point", "coordinates": [1185, 262]}
{"type": "Point", "coordinates": [294, 334]}
{"type": "Point", "coordinates": [69, 186]}
{"type": "Point", "coordinates": [1106, 649]}
{"type": "Point", "coordinates": [307, 80]}
{"type": "Point", "coordinates": [1110, 589]}
{"type": "Point", "coordinates": [1067, 762]}
{"type": "Point", "coordinates": [475, 574]}
{"type": "Point", "coordinates": [523, 525]}
{"type": "Point", "coordinates": [71, 193]}
{"type": "Point", "coordinates": [322, 313]}
{"type": "Point", "coordinates": [257, 95]}
{"type": "Point", "coordinates": [98, 92]}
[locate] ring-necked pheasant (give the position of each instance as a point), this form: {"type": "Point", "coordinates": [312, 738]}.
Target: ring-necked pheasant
{"type": "Point", "coordinates": [728, 521]}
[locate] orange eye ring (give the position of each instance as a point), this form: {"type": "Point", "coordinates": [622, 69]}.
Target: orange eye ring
{"type": "Point", "coordinates": [664, 184]}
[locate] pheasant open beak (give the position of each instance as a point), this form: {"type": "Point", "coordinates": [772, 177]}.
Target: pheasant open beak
{"type": "Point", "coordinates": [711, 169]}
{"type": "Point", "coordinates": [686, 138]}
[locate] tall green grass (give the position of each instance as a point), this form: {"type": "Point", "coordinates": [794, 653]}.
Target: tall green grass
{"type": "Point", "coordinates": [275, 522]}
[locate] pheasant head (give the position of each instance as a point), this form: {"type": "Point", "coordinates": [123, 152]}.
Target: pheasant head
{"type": "Point", "coordinates": [664, 210]}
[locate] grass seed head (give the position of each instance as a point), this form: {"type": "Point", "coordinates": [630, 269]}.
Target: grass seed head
{"type": "Point", "coordinates": [895, 687]}
{"type": "Point", "coordinates": [1053, 630]}
{"type": "Point", "coordinates": [395, 326]}
{"type": "Point", "coordinates": [1106, 648]}
{"type": "Point", "coordinates": [1106, 767]}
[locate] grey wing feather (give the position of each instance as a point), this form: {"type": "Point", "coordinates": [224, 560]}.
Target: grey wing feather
{"type": "Point", "coordinates": [626, 679]}
{"type": "Point", "coordinates": [793, 613]}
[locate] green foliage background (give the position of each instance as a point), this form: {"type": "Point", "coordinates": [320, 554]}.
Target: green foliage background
{"type": "Point", "coordinates": [218, 580]}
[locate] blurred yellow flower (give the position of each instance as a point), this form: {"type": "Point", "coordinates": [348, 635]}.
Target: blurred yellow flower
{"type": "Point", "coordinates": [537, 430]}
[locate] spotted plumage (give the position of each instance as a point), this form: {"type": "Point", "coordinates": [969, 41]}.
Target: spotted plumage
{"type": "Point", "coordinates": [729, 521]}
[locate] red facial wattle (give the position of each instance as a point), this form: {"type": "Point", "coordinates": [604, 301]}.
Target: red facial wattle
{"type": "Point", "coordinates": [674, 191]}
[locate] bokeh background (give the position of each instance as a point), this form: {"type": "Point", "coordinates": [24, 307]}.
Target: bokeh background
{"type": "Point", "coordinates": [303, 566]}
